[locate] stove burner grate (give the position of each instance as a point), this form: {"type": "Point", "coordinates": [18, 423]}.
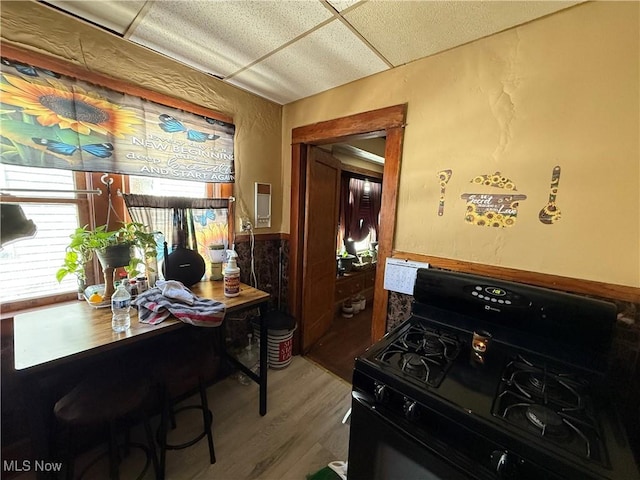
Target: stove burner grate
{"type": "Point", "coordinates": [422, 353]}
{"type": "Point", "coordinates": [553, 406]}
{"type": "Point", "coordinates": [537, 383]}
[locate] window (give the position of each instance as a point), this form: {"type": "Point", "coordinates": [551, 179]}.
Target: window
{"type": "Point", "coordinates": [205, 226]}
{"type": "Point", "coordinates": [166, 187]}
{"type": "Point", "coordinates": [360, 202]}
{"type": "Point", "coordinates": [28, 266]}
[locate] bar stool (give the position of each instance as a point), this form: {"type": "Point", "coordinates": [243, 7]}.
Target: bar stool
{"type": "Point", "coordinates": [108, 400]}
{"type": "Point", "coordinates": [184, 367]}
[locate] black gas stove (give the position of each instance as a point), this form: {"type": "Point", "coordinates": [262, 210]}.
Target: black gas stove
{"type": "Point", "coordinates": [489, 379]}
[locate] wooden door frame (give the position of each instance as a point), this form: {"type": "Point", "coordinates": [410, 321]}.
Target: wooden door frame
{"type": "Point", "coordinates": [388, 122]}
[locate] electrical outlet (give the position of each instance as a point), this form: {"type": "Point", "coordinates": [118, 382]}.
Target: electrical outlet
{"type": "Point", "coordinates": [246, 225]}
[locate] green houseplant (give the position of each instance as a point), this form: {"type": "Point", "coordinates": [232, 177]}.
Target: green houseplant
{"type": "Point", "coordinates": [113, 249]}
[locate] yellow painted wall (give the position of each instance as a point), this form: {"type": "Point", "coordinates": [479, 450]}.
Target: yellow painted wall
{"type": "Point", "coordinates": [258, 122]}
{"type": "Point", "coordinates": [562, 90]}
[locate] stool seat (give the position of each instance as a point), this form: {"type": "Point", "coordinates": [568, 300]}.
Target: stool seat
{"type": "Point", "coordinates": [106, 400]}
{"type": "Point", "coordinates": [101, 400]}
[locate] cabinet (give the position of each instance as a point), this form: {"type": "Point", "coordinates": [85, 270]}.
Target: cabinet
{"type": "Point", "coordinates": [353, 283]}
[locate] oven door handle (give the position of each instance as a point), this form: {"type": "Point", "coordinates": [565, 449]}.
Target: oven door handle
{"type": "Point", "coordinates": [367, 401]}
{"type": "Point", "coordinates": [364, 399]}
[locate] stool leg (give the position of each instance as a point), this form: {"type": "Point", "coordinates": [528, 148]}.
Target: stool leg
{"type": "Point", "coordinates": [127, 442]}
{"type": "Point", "coordinates": [162, 433]}
{"type": "Point", "coordinates": [152, 445]}
{"type": "Point", "coordinates": [207, 420]}
{"type": "Point", "coordinates": [68, 454]}
{"type": "Point", "coordinates": [114, 457]}
{"type": "Point", "coordinates": [172, 417]}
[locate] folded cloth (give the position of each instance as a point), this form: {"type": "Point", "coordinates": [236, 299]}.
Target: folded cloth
{"type": "Point", "coordinates": [176, 290]}
{"type": "Point", "coordinates": [154, 307]}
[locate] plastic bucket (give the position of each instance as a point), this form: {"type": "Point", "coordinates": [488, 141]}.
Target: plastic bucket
{"type": "Point", "coordinates": [279, 346]}
{"type": "Point", "coordinates": [279, 339]}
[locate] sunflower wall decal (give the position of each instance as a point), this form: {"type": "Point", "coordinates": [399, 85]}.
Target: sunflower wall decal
{"type": "Point", "coordinates": [50, 120]}
{"type": "Point", "coordinates": [488, 208]}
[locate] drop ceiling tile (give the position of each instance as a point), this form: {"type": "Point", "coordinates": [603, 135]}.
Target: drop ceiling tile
{"type": "Point", "coordinates": [341, 5]}
{"type": "Point", "coordinates": [116, 15]}
{"type": "Point", "coordinates": [221, 37]}
{"type": "Point", "coordinates": [406, 31]}
{"type": "Point", "coordinates": [326, 58]}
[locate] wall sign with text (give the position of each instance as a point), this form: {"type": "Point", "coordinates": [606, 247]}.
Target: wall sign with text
{"type": "Point", "coordinates": [497, 208]}
{"type": "Point", "coordinates": [54, 121]}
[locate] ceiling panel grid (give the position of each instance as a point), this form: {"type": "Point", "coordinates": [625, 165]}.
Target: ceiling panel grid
{"type": "Point", "coordinates": [284, 50]}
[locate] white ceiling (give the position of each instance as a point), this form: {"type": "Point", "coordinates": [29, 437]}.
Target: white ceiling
{"type": "Point", "coordinates": [284, 50]}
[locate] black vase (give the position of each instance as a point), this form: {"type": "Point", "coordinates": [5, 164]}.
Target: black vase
{"type": "Point", "coordinates": [185, 265]}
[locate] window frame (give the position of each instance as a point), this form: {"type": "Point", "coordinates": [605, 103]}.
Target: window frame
{"type": "Point", "coordinates": [90, 208]}
{"type": "Point", "coordinates": [84, 205]}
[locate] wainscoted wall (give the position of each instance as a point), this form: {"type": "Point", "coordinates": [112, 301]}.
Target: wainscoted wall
{"type": "Point", "coordinates": [270, 277]}
{"type": "Point", "coordinates": [624, 369]}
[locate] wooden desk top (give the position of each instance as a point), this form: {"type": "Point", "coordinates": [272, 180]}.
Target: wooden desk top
{"type": "Point", "coordinates": [73, 330]}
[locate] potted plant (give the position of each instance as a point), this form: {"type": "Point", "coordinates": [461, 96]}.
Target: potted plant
{"type": "Point", "coordinates": [345, 261]}
{"type": "Point", "coordinates": [113, 249]}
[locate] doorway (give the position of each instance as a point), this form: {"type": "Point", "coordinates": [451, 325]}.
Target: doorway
{"type": "Point", "coordinates": [387, 122]}
{"type": "Point", "coordinates": [349, 332]}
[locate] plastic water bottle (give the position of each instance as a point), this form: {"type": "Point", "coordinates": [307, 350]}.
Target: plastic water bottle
{"type": "Point", "coordinates": [120, 306]}
{"type": "Point", "coordinates": [249, 358]}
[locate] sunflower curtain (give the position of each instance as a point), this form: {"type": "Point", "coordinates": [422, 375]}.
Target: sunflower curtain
{"type": "Point", "coordinates": [54, 121]}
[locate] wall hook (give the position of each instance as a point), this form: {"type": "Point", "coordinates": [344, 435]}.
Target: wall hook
{"type": "Point", "coordinates": [104, 177]}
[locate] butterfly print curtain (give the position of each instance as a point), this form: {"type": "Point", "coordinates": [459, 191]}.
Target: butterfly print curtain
{"type": "Point", "coordinates": [205, 221]}
{"type": "Point", "coordinates": [54, 121]}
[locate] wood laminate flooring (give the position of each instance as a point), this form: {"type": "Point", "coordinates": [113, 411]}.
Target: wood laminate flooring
{"type": "Point", "coordinates": [300, 434]}
{"type": "Point", "coordinates": [346, 339]}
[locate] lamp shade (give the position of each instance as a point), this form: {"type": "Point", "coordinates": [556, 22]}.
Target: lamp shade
{"type": "Point", "coordinates": [14, 225]}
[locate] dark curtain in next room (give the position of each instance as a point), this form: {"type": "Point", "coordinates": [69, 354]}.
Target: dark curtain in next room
{"type": "Point", "coordinates": [360, 202]}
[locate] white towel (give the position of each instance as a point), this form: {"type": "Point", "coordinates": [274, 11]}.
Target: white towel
{"type": "Point", "coordinates": [175, 290]}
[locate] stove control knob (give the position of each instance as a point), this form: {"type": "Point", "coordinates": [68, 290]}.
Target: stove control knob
{"type": "Point", "coordinates": [503, 464]}
{"type": "Point", "coordinates": [411, 409]}
{"type": "Point", "coordinates": [380, 392]}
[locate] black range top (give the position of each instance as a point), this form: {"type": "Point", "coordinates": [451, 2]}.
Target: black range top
{"type": "Point", "coordinates": [533, 390]}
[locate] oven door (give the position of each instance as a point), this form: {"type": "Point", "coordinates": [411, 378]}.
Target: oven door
{"type": "Point", "coordinates": [380, 449]}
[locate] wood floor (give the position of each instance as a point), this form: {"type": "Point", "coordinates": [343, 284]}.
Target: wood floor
{"type": "Point", "coordinates": [338, 348]}
{"type": "Point", "coordinates": [301, 432]}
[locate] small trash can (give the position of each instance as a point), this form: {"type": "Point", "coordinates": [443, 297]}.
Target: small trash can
{"type": "Point", "coordinates": [279, 339]}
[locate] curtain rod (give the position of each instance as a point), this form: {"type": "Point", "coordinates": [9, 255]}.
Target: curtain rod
{"type": "Point", "coordinates": [97, 191]}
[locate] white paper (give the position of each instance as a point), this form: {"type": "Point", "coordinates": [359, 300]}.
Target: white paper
{"type": "Point", "coordinates": [400, 275]}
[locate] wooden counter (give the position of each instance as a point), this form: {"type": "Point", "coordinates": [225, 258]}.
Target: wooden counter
{"type": "Point", "coordinates": [73, 330]}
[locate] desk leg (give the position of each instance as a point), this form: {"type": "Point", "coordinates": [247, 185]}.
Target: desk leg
{"type": "Point", "coordinates": [264, 331]}
{"type": "Point", "coordinates": [37, 403]}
